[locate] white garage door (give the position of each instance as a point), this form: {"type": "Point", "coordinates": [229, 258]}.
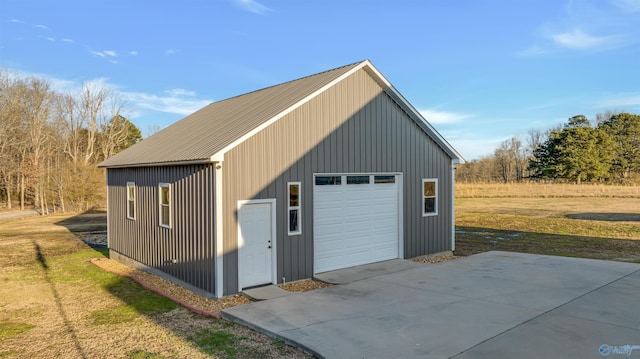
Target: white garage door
{"type": "Point", "coordinates": [355, 220]}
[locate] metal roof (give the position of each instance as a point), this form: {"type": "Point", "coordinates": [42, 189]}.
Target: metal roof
{"type": "Point", "coordinates": [208, 133]}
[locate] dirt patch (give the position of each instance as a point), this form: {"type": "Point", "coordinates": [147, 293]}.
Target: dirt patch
{"type": "Point", "coordinates": [611, 217]}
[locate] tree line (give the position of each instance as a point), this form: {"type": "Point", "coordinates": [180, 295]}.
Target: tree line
{"type": "Point", "coordinates": [50, 143]}
{"type": "Point", "coordinates": [604, 150]}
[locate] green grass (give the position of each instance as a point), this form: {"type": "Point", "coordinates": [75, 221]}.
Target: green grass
{"type": "Point", "coordinates": [139, 298]}
{"type": "Point", "coordinates": [118, 315]}
{"type": "Point", "coordinates": [217, 342]}
{"type": "Point", "coordinates": [9, 329]}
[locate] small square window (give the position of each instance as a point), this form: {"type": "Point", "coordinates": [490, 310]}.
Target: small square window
{"type": "Point", "coordinates": [294, 208]}
{"type": "Point", "coordinates": [429, 197]}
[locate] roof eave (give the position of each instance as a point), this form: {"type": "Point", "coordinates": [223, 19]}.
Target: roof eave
{"type": "Point", "coordinates": [163, 164]}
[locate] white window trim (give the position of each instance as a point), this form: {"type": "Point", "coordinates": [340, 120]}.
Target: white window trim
{"type": "Point", "coordinates": [435, 212]}
{"type": "Point", "coordinates": [129, 216]}
{"type": "Point", "coordinates": [160, 205]}
{"type": "Point", "coordinates": [298, 208]}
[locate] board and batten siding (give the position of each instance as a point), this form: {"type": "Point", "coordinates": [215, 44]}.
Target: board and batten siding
{"type": "Point", "coordinates": [352, 127]}
{"type": "Point", "coordinates": [184, 251]}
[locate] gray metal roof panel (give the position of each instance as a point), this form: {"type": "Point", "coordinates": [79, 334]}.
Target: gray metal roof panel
{"type": "Point", "coordinates": [221, 125]}
{"type": "Point", "coordinates": [199, 136]}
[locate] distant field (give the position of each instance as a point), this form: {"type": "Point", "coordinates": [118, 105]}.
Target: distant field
{"type": "Point", "coordinates": [594, 221]}
{"type": "Point", "coordinates": [544, 190]}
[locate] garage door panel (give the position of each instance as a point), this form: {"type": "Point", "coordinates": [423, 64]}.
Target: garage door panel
{"type": "Point", "coordinates": [355, 224]}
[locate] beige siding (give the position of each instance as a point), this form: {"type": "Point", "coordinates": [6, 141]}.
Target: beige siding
{"type": "Point", "coordinates": [352, 127]}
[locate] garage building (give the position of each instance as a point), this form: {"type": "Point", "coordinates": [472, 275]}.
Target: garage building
{"type": "Point", "coordinates": [325, 172]}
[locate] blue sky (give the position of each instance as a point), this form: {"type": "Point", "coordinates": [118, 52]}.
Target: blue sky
{"type": "Point", "coordinates": [481, 71]}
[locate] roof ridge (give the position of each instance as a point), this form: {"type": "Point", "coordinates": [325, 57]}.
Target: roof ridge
{"type": "Point", "coordinates": [290, 81]}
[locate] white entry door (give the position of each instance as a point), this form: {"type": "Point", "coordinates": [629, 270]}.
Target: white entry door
{"type": "Point", "coordinates": [256, 242]}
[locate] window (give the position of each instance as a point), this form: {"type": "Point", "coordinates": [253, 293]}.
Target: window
{"type": "Point", "coordinates": [357, 179]}
{"type": "Point", "coordinates": [384, 179]}
{"type": "Point", "coordinates": [294, 208]}
{"type": "Point", "coordinates": [429, 197]}
{"type": "Point", "coordinates": [131, 200]}
{"type": "Point", "coordinates": [328, 180]}
{"type": "Point", "coordinates": [165, 205]}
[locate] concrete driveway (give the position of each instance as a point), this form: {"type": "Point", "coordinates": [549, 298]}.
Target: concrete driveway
{"type": "Point", "coordinates": [490, 305]}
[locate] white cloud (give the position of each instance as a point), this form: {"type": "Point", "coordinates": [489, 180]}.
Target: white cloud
{"type": "Point", "coordinates": [622, 100]}
{"type": "Point", "coordinates": [170, 52]}
{"type": "Point", "coordinates": [41, 27]}
{"type": "Point", "coordinates": [107, 54]}
{"type": "Point", "coordinates": [16, 21]}
{"type": "Point", "coordinates": [133, 53]}
{"type": "Point", "coordinates": [252, 6]}
{"type": "Point", "coordinates": [443, 117]}
{"type": "Point", "coordinates": [179, 92]}
{"type": "Point", "coordinates": [50, 39]}
{"type": "Point", "coordinates": [170, 104]}
{"type": "Point", "coordinates": [577, 39]}
{"type": "Point", "coordinates": [628, 5]}
{"type": "Point", "coordinates": [68, 40]}
{"type": "Point", "coordinates": [97, 53]}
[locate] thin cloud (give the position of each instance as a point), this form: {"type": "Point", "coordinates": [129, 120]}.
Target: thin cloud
{"type": "Point", "coordinates": [252, 6]}
{"type": "Point", "coordinates": [443, 117]}
{"type": "Point", "coordinates": [105, 54]}
{"type": "Point", "coordinates": [179, 92]}
{"type": "Point", "coordinates": [41, 27]}
{"type": "Point", "coordinates": [169, 104]}
{"type": "Point", "coordinates": [97, 53]}
{"type": "Point", "coordinates": [176, 101]}
{"type": "Point", "coordinates": [133, 53]}
{"type": "Point", "coordinates": [577, 39]}
{"type": "Point", "coordinates": [622, 100]}
{"type": "Point", "coordinates": [627, 5]}
{"type": "Point", "coordinates": [67, 40]}
{"type": "Point", "coordinates": [170, 52]}
{"type": "Point", "coordinates": [16, 21]}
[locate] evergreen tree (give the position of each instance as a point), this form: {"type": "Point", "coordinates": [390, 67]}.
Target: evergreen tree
{"type": "Point", "coordinates": [624, 128]}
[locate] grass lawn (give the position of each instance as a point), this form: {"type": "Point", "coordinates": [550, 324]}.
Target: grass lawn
{"type": "Point", "coordinates": [591, 221]}
{"type": "Point", "coordinates": [55, 304]}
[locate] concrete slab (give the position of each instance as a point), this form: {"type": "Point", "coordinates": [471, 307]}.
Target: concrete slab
{"type": "Point", "coordinates": [353, 274]}
{"type": "Point", "coordinates": [489, 305]}
{"type": "Point", "coordinates": [267, 292]}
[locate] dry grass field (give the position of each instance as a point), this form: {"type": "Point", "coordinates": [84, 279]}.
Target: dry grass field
{"type": "Point", "coordinates": [55, 304]}
{"type": "Point", "coordinates": [593, 221]}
